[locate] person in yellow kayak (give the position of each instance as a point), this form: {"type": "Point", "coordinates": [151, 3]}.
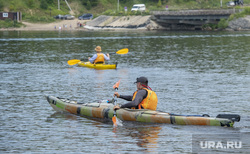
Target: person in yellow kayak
{"type": "Point", "coordinates": [99, 57]}
{"type": "Point", "coordinates": [143, 98]}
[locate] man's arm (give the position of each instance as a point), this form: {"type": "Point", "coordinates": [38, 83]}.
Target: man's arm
{"type": "Point", "coordinates": [126, 97]}
{"type": "Point", "coordinates": [106, 57]}
{"type": "Point", "coordinates": [93, 58]}
{"type": "Point", "coordinates": [141, 94]}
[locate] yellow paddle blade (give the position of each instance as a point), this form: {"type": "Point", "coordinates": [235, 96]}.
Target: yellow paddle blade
{"type": "Point", "coordinates": [73, 61]}
{"type": "Point", "coordinates": [122, 51]}
{"type": "Point", "coordinates": [114, 121]}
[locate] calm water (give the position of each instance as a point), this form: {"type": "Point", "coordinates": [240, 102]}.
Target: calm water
{"type": "Point", "coordinates": [191, 72]}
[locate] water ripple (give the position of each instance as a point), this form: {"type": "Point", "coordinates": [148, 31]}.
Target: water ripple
{"type": "Point", "coordinates": [125, 37]}
{"type": "Point", "coordinates": [191, 73]}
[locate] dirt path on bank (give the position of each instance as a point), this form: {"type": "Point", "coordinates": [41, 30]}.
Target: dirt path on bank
{"type": "Point", "coordinates": [58, 25]}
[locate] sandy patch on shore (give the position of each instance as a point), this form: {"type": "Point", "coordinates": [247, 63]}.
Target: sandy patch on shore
{"type": "Point", "coordinates": [58, 25]}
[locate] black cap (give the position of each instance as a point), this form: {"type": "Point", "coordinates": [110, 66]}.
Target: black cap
{"type": "Point", "coordinates": [142, 80]}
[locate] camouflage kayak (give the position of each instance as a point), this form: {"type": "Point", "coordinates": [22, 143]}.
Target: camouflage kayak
{"type": "Point", "coordinates": [105, 110]}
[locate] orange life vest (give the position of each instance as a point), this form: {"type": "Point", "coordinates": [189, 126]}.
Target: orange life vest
{"type": "Point", "coordinates": [150, 102]}
{"type": "Point", "coordinates": [99, 58]}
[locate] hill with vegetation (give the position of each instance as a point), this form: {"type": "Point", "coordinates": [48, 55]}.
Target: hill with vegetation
{"type": "Point", "coordinates": [44, 10]}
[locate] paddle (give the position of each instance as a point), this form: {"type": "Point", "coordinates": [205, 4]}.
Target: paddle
{"type": "Point", "coordinates": [120, 52]}
{"type": "Point", "coordinates": [73, 61]}
{"type": "Point", "coordinates": [114, 119]}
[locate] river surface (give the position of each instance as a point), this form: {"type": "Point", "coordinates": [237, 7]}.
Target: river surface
{"type": "Point", "coordinates": [191, 73]}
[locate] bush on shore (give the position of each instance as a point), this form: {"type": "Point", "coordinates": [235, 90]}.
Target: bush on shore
{"type": "Point", "coordinates": [209, 27]}
{"type": "Point", "coordinates": [223, 24]}
{"type": "Point", "coordinates": [8, 23]}
{"type": "Point", "coordinates": [245, 12]}
{"type": "Point", "coordinates": [36, 18]}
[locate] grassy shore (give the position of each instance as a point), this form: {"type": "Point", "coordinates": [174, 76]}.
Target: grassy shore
{"type": "Point", "coordinates": [42, 11]}
{"type": "Point", "coordinates": [10, 24]}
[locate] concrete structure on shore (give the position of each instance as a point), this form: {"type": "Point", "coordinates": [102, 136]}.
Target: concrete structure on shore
{"type": "Point", "coordinates": [190, 19]}
{"type": "Point", "coordinates": [167, 20]}
{"type": "Point", "coordinates": [239, 24]}
{"type": "Point", "coordinates": [119, 22]}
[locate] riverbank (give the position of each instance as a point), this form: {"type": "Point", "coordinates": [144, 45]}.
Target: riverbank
{"type": "Point", "coordinates": [145, 23]}
{"type": "Point", "coordinates": [100, 23]}
{"type": "Point", "coordinates": [114, 23]}
{"type": "Point", "coordinates": [141, 23]}
{"type": "Point", "coordinates": [239, 24]}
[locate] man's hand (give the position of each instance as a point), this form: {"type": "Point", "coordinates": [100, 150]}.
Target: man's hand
{"type": "Point", "coordinates": [116, 107]}
{"type": "Point", "coordinates": [116, 94]}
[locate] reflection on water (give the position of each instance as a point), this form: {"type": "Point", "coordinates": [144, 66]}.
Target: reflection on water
{"type": "Point", "coordinates": [146, 137]}
{"type": "Point", "coordinates": [68, 116]}
{"type": "Point", "coordinates": [191, 72]}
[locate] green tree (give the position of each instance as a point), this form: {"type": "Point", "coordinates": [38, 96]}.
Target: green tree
{"type": "Point", "coordinates": [159, 4]}
{"type": "Point", "coordinates": [1, 4]}
{"type": "Point", "coordinates": [30, 3]}
{"type": "Point", "coordinates": [94, 2]}
{"type": "Point", "coordinates": [90, 3]}
{"type": "Point", "coordinates": [44, 4]}
{"type": "Point", "coordinates": [49, 1]}
{"type": "Point", "coordinates": [88, 6]}
{"type": "Point", "coordinates": [178, 1]}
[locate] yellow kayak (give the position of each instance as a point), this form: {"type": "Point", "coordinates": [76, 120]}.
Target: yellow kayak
{"type": "Point", "coordinates": [97, 66]}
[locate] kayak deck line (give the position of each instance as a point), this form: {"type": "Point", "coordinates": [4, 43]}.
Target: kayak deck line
{"type": "Point", "coordinates": [97, 66]}
{"type": "Point", "coordinates": [105, 111]}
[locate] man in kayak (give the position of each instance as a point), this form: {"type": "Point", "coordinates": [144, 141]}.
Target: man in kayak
{"type": "Point", "coordinates": [143, 98]}
{"type": "Point", "coordinates": [99, 57]}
